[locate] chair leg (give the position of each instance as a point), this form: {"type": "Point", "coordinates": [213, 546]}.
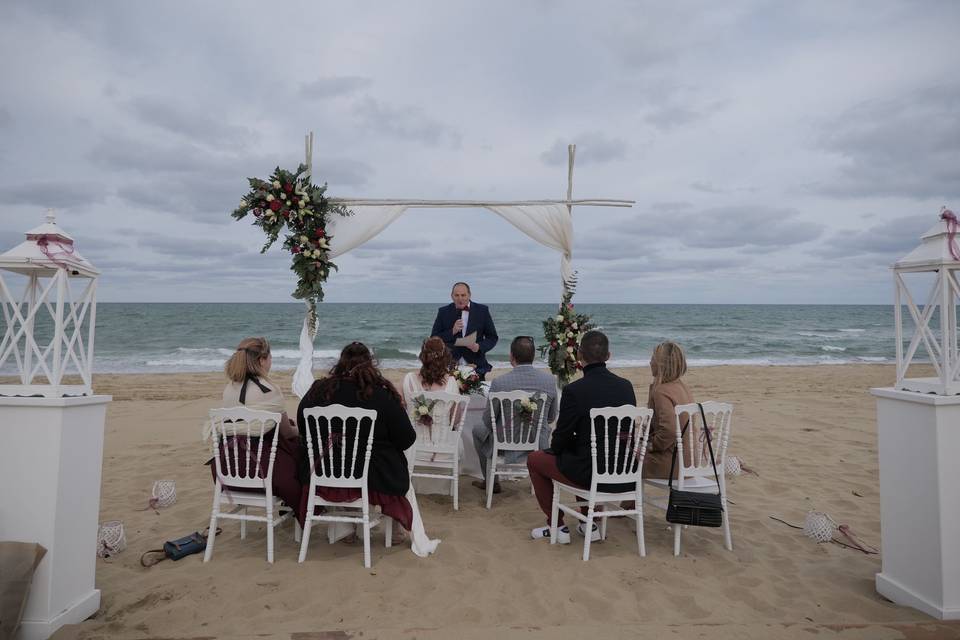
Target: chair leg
{"type": "Point", "coordinates": [491, 480]}
{"type": "Point", "coordinates": [212, 531]}
{"type": "Point", "coordinates": [297, 530]}
{"type": "Point", "coordinates": [388, 532]}
{"type": "Point", "coordinates": [456, 482]}
{"type": "Point", "coordinates": [554, 514]}
{"type": "Point", "coordinates": [603, 528]}
{"type": "Point", "coordinates": [270, 535]}
{"type": "Point", "coordinates": [243, 526]}
{"type": "Point", "coordinates": [638, 504]}
{"type": "Point", "coordinates": [307, 525]}
{"type": "Point", "coordinates": [727, 539]}
{"type": "Point", "coordinates": [588, 533]}
{"type": "Point", "coordinates": [676, 539]}
{"type": "Point", "coordinates": [366, 543]}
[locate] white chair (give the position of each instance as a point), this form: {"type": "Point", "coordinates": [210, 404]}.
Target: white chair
{"type": "Point", "coordinates": [438, 445]}
{"type": "Point", "coordinates": [510, 433]}
{"type": "Point", "coordinates": [616, 457]}
{"type": "Point", "coordinates": [244, 472]}
{"type": "Point", "coordinates": [344, 437]}
{"type": "Point", "coordinates": [699, 476]}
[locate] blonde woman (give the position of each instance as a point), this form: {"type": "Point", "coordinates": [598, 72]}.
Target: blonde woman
{"type": "Point", "coordinates": [668, 365]}
{"type": "Point", "coordinates": [434, 374]}
{"type": "Point", "coordinates": [249, 384]}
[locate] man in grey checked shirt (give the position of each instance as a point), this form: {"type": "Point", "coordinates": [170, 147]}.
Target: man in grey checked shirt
{"type": "Point", "coordinates": [523, 378]}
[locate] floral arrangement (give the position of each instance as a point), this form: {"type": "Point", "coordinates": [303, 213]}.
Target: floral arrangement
{"type": "Point", "coordinates": [468, 381]}
{"type": "Point", "coordinates": [288, 201]}
{"type": "Point", "coordinates": [562, 334]}
{"type": "Point", "coordinates": [527, 408]}
{"type": "Point", "coordinates": [423, 410]}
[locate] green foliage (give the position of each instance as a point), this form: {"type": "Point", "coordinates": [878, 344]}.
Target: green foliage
{"type": "Point", "coordinates": [562, 332]}
{"type": "Point", "coordinates": [289, 203]}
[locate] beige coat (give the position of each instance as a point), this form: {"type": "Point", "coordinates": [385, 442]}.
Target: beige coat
{"type": "Point", "coordinates": [663, 399]}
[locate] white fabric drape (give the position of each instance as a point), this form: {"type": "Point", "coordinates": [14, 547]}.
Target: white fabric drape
{"type": "Point", "coordinates": [349, 232]}
{"type": "Point", "coordinates": [548, 224]}
{"type": "Point", "coordinates": [303, 376]}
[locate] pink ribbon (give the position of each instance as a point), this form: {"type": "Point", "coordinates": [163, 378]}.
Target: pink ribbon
{"type": "Point", "coordinates": [952, 225]}
{"type": "Point", "coordinates": [46, 241]}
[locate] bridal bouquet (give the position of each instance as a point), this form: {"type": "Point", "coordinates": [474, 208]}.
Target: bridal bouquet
{"type": "Point", "coordinates": [468, 381]}
{"type": "Point", "coordinates": [423, 410]}
{"type": "Point", "coordinates": [562, 333]}
{"type": "Point", "coordinates": [289, 202]}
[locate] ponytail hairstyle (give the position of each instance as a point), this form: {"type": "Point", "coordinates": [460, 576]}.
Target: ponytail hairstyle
{"type": "Point", "coordinates": [436, 361]}
{"type": "Point", "coordinates": [356, 364]}
{"type": "Point", "coordinates": [670, 361]}
{"type": "Point", "coordinates": [245, 361]}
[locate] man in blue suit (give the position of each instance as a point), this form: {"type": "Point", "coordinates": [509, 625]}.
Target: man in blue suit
{"type": "Point", "coordinates": [461, 318]}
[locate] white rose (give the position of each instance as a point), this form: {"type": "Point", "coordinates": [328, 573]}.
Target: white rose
{"type": "Point", "coordinates": [243, 202]}
{"type": "Point", "coordinates": [316, 253]}
{"type": "Point", "coordinates": [270, 197]}
{"type": "Point", "coordinates": [569, 334]}
{"type": "Point", "coordinates": [288, 203]}
{"type": "Point", "coordinates": [569, 349]}
{"type": "Point", "coordinates": [301, 204]}
{"type": "Point", "coordinates": [276, 184]}
{"type": "Point", "coordinates": [303, 239]}
{"type": "Point", "coordinates": [574, 325]}
{"type": "Point", "coordinates": [423, 410]}
{"type": "Point", "coordinates": [559, 318]}
{"type": "Point", "coordinates": [322, 243]}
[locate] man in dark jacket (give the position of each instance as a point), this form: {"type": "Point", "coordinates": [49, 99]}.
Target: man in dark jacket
{"type": "Point", "coordinates": [568, 458]}
{"type": "Point", "coordinates": [460, 319]}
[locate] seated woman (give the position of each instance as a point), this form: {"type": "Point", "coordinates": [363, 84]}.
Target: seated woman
{"type": "Point", "coordinates": [434, 374]}
{"type": "Point", "coordinates": [667, 364]}
{"type": "Point", "coordinates": [249, 385]}
{"type": "Point", "coordinates": [355, 381]}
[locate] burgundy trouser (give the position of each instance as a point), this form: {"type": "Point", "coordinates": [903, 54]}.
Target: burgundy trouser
{"type": "Point", "coordinates": [543, 471]}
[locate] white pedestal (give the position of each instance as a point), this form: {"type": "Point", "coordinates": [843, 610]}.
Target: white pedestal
{"type": "Point", "coordinates": [919, 451]}
{"type": "Point", "coordinates": [50, 467]}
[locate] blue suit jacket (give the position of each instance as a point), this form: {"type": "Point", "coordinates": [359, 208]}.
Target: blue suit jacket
{"type": "Point", "coordinates": [480, 321]}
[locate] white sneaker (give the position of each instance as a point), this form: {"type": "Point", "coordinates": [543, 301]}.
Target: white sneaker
{"type": "Point", "coordinates": [543, 533]}
{"type": "Point", "coordinates": [594, 534]}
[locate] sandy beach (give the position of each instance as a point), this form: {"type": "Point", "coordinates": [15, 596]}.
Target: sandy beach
{"type": "Point", "coordinates": [809, 433]}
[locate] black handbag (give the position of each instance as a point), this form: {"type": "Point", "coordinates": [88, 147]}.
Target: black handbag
{"type": "Point", "coordinates": [177, 549]}
{"type": "Point", "coordinates": [691, 507]}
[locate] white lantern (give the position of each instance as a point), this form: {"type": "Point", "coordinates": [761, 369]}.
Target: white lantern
{"type": "Point", "coordinates": [46, 325]}
{"type": "Point", "coordinates": [934, 323]}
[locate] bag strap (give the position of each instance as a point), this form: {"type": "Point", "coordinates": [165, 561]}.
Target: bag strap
{"type": "Point", "coordinates": [706, 430]}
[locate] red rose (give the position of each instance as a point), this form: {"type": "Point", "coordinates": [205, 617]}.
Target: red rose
{"type": "Point", "coordinates": [320, 233]}
{"type": "Point", "coordinates": [570, 306]}
{"type": "Point", "coordinates": [554, 344]}
{"type": "Point", "coordinates": [274, 205]}
{"type": "Point", "coordinates": [286, 214]}
{"type": "Point", "coordinates": [294, 249]}
{"type": "Point", "coordinates": [288, 187]}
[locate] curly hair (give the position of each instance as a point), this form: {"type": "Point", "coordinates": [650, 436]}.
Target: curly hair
{"type": "Point", "coordinates": [356, 365]}
{"type": "Point", "coordinates": [436, 361]}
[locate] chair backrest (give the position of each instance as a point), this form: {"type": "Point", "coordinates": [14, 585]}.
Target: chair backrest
{"type": "Point", "coordinates": [446, 420]}
{"type": "Point", "coordinates": [618, 442]}
{"type": "Point", "coordinates": [513, 430]}
{"type": "Point", "coordinates": [236, 440]}
{"type": "Point", "coordinates": [693, 455]}
{"type": "Point", "coordinates": [339, 443]}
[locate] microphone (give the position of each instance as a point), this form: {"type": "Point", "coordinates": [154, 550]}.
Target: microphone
{"type": "Point", "coordinates": [463, 319]}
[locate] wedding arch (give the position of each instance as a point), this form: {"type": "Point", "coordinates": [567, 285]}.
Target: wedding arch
{"type": "Point", "coordinates": [548, 222]}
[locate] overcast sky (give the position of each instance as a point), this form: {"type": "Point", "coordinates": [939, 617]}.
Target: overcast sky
{"type": "Point", "coordinates": [777, 151]}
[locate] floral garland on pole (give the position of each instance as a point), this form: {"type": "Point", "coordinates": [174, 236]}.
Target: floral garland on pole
{"type": "Point", "coordinates": [562, 334]}
{"type": "Point", "coordinates": [288, 200]}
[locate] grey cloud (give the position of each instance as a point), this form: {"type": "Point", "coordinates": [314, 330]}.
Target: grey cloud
{"type": "Point", "coordinates": [891, 239]}
{"type": "Point", "coordinates": [192, 247]}
{"type": "Point", "coordinates": [706, 187]}
{"type": "Point", "coordinates": [60, 195]}
{"type": "Point", "coordinates": [334, 86]}
{"type": "Point", "coordinates": [909, 146]}
{"type": "Point", "coordinates": [404, 122]}
{"type": "Point", "coordinates": [6, 118]}
{"type": "Point", "coordinates": [671, 206]}
{"type": "Point", "coordinates": [733, 227]}
{"type": "Point", "coordinates": [592, 147]}
{"type": "Point", "coordinates": [193, 125]}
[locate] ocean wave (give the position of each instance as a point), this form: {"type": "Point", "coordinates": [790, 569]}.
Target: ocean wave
{"type": "Point", "coordinates": [824, 336]}
{"type": "Point", "coordinates": [828, 347]}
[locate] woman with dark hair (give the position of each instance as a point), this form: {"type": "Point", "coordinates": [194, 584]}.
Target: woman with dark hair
{"type": "Point", "coordinates": [249, 384]}
{"type": "Point", "coordinates": [355, 381]}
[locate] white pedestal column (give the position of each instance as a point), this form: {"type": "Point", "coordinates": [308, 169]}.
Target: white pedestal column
{"type": "Point", "coordinates": [919, 451]}
{"type": "Point", "coordinates": [50, 469]}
